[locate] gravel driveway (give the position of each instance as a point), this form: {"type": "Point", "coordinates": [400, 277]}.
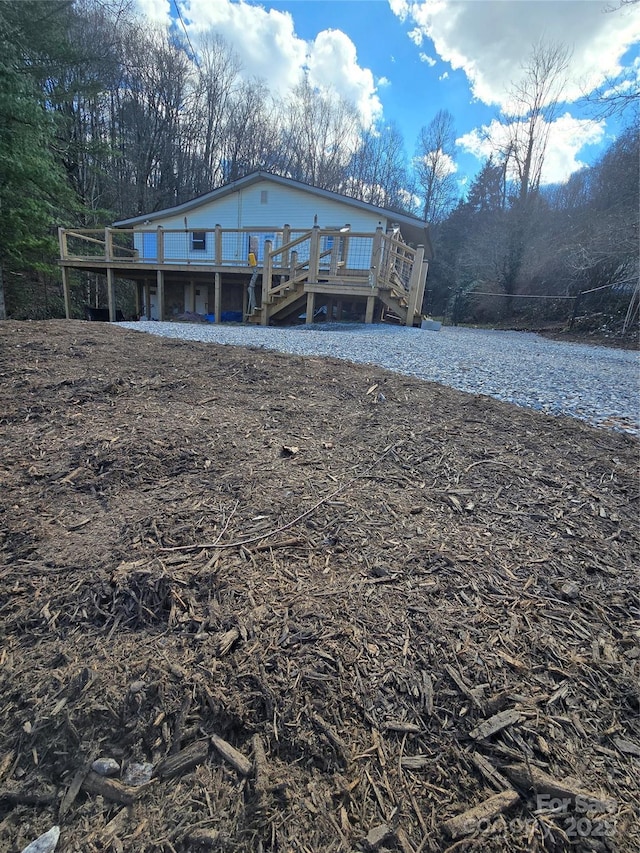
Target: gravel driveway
{"type": "Point", "coordinates": [596, 384]}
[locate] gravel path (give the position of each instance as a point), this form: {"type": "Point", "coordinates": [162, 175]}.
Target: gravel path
{"type": "Point", "coordinates": [596, 384]}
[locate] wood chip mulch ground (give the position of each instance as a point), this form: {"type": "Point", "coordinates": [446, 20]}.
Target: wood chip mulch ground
{"type": "Point", "coordinates": [295, 604]}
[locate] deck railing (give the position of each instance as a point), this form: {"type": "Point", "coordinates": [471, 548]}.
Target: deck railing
{"type": "Point", "coordinates": [358, 255]}
{"type": "Point", "coordinates": [287, 257]}
{"type": "Point", "coordinates": [358, 258]}
{"type": "Point", "coordinates": [210, 246]}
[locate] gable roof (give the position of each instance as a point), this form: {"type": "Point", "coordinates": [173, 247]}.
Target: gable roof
{"type": "Point", "coordinates": [413, 228]}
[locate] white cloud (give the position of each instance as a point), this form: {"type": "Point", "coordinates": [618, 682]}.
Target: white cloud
{"type": "Point", "coordinates": [444, 76]}
{"type": "Point", "coordinates": [409, 200]}
{"type": "Point", "coordinates": [399, 8]}
{"type": "Point", "coordinates": [567, 136]}
{"type": "Point", "coordinates": [491, 40]}
{"type": "Point", "coordinates": [333, 65]}
{"type": "Point", "coordinates": [269, 48]}
{"type": "Point", "coordinates": [445, 164]}
{"type": "Point", "coordinates": [424, 57]}
{"type": "Point", "coordinates": [156, 11]}
{"type": "Point", "coordinates": [416, 35]}
{"type": "Point", "coordinates": [264, 40]}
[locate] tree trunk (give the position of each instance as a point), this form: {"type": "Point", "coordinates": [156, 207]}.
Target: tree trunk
{"type": "Point", "coordinates": [3, 307]}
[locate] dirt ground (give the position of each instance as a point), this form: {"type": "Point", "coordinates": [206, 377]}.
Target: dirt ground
{"type": "Point", "coordinates": [322, 607]}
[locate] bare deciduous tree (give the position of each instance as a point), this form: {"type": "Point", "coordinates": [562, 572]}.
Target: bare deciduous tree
{"type": "Point", "coordinates": [435, 167]}
{"type": "Point", "coordinates": [321, 132]}
{"type": "Point", "coordinates": [533, 106]}
{"type": "Point", "coordinates": [217, 83]}
{"type": "Point", "coordinates": [251, 139]}
{"type": "Point", "coordinates": [378, 172]}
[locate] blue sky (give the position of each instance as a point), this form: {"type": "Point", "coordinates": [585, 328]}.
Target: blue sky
{"type": "Point", "coordinates": [403, 60]}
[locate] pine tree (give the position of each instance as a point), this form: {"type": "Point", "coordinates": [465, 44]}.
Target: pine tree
{"type": "Point", "coordinates": [487, 188]}
{"type": "Point", "coordinates": [32, 185]}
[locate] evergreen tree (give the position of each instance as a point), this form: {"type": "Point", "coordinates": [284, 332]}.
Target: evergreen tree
{"type": "Point", "coordinates": [32, 184]}
{"type": "Point", "coordinates": [487, 188]}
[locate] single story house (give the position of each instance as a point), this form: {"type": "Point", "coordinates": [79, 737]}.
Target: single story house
{"type": "Point", "coordinates": [261, 249]}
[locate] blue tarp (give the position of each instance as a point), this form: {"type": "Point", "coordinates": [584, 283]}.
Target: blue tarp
{"type": "Point", "coordinates": [225, 317]}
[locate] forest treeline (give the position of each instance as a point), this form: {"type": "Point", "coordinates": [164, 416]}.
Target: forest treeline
{"type": "Point", "coordinates": [102, 117]}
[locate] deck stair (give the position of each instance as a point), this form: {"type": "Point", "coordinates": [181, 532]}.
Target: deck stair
{"type": "Point", "coordinates": [395, 303]}
{"type": "Point", "coordinates": [282, 303]}
{"type": "Point", "coordinates": [321, 264]}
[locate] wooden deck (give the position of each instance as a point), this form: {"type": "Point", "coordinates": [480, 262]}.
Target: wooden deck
{"type": "Point", "coordinates": [292, 270]}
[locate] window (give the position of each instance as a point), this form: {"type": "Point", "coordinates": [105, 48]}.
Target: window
{"type": "Point", "coordinates": [264, 196]}
{"type": "Point", "coordinates": [198, 241]}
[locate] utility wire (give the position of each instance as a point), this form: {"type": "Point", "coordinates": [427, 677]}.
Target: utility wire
{"type": "Point", "coordinates": [193, 53]}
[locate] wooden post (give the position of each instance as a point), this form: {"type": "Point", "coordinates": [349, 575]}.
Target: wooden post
{"type": "Point", "coordinates": [286, 239]}
{"type": "Point", "coordinates": [376, 258]}
{"type": "Point", "coordinates": [311, 306]}
{"type": "Point", "coordinates": [62, 240]}
{"type": "Point", "coordinates": [339, 310]}
{"type": "Point", "coordinates": [147, 299]}
{"type": "Point", "coordinates": [65, 290]}
{"type": "Point", "coordinates": [314, 254]}
{"type": "Point", "coordinates": [111, 295]}
{"type": "Point", "coordinates": [267, 271]}
{"type": "Point", "coordinates": [108, 244]}
{"type": "Point", "coordinates": [160, 245]}
{"type": "Point", "coordinates": [371, 302]}
{"type": "Point", "coordinates": [138, 300]}
{"type": "Point", "coordinates": [422, 286]}
{"type": "Point", "coordinates": [217, 297]}
{"type": "Point", "coordinates": [334, 258]}
{"type": "Point", "coordinates": [345, 246]}
{"type": "Point", "coordinates": [414, 285]}
{"type": "Point", "coordinates": [218, 246]}
{"type": "Point", "coordinates": [267, 276]}
{"type": "Point", "coordinates": [160, 291]}
{"type": "Point", "coordinates": [190, 300]}
{"type": "Point", "coordinates": [576, 305]}
{"type": "Point", "coordinates": [344, 243]}
{"type": "Point", "coordinates": [294, 263]}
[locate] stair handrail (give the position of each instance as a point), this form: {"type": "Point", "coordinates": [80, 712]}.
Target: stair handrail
{"type": "Point", "coordinates": [293, 276]}
{"type": "Point", "coordinates": [396, 256]}
{"type": "Point", "coordinates": [414, 300]}
{"type": "Point", "coordinates": [285, 247]}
